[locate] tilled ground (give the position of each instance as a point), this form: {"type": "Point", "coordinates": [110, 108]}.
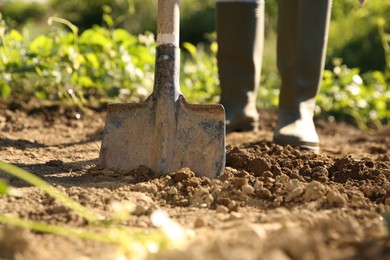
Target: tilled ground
{"type": "Point", "coordinates": [271, 202]}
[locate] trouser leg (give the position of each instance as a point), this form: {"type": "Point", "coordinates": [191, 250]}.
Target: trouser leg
{"type": "Point", "coordinates": [301, 47]}
{"type": "Point", "coordinates": [240, 32]}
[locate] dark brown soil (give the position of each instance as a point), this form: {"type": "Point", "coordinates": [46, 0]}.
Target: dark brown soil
{"type": "Point", "coordinates": [271, 202]}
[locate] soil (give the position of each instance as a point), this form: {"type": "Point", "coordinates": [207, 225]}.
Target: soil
{"type": "Point", "coordinates": [271, 202]}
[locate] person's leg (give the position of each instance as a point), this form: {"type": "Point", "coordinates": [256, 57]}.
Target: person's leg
{"type": "Point", "coordinates": [302, 38]}
{"type": "Point", "coordinates": [240, 34]}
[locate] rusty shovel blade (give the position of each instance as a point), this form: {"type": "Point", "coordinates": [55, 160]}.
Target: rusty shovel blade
{"type": "Point", "coordinates": [133, 137]}
{"type": "Point", "coordinates": [165, 133]}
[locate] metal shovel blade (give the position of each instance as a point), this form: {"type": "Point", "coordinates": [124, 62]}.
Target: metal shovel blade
{"type": "Point", "coordinates": [133, 137]}
{"type": "Point", "coordinates": [165, 133]}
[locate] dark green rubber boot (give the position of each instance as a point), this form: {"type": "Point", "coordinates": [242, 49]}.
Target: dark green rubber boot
{"type": "Point", "coordinates": [301, 47]}
{"type": "Point", "coordinates": [240, 32]}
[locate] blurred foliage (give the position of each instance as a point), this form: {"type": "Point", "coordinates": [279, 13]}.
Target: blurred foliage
{"type": "Point", "coordinates": [98, 63]}
{"type": "Point", "coordinates": [346, 94]}
{"type": "Point", "coordinates": [22, 11]}
{"type": "Point", "coordinates": [199, 73]}
{"type": "Point", "coordinates": [354, 33]}
{"type": "Point", "coordinates": [84, 14]}
{"type": "Point", "coordinates": [83, 64]}
{"type": "Point", "coordinates": [138, 16]}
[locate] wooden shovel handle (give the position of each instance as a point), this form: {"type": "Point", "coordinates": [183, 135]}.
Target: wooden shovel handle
{"type": "Point", "coordinates": [168, 16]}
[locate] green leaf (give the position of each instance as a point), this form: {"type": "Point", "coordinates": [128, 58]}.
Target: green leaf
{"type": "Point", "coordinates": [108, 19]}
{"type": "Point", "coordinates": [214, 47]}
{"type": "Point", "coordinates": [190, 48]}
{"type": "Point", "coordinates": [86, 81]}
{"type": "Point", "coordinates": [41, 95]}
{"type": "Point", "coordinates": [92, 59]}
{"type": "Point", "coordinates": [5, 90]}
{"type": "Point", "coordinates": [4, 188]}
{"type": "Point", "coordinates": [41, 46]}
{"type": "Point", "coordinates": [94, 37]}
{"type": "Point", "coordinates": [14, 35]}
{"type": "Point", "coordinates": [123, 36]}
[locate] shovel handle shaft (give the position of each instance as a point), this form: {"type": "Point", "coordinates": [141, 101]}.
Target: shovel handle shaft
{"type": "Point", "coordinates": [168, 16]}
{"type": "Point", "coordinates": [166, 89]}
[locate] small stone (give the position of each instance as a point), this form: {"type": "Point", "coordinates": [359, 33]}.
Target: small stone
{"type": "Point", "coordinates": [59, 209]}
{"type": "Point", "coordinates": [268, 174]}
{"type": "Point", "coordinates": [368, 191]}
{"type": "Point", "coordinates": [242, 174]}
{"type": "Point", "coordinates": [235, 215]}
{"type": "Point", "coordinates": [172, 191]}
{"type": "Point", "coordinates": [282, 179]}
{"type": "Point", "coordinates": [258, 185]}
{"type": "Point", "coordinates": [228, 173]}
{"type": "Point", "coordinates": [140, 210]}
{"type": "Point", "coordinates": [293, 184]}
{"type": "Point", "coordinates": [247, 189]}
{"type": "Point", "coordinates": [277, 201]}
{"type": "Point", "coordinates": [183, 202]}
{"type": "Point", "coordinates": [233, 206]}
{"type": "Point", "coordinates": [314, 190]}
{"type": "Point", "coordinates": [259, 165]}
{"type": "Point", "coordinates": [269, 180]}
{"type": "Point", "coordinates": [202, 198]}
{"type": "Point", "coordinates": [222, 209]}
{"type": "Point", "coordinates": [224, 201]}
{"type": "Point", "coordinates": [295, 193]}
{"type": "Point", "coordinates": [145, 187]}
{"type": "Point", "coordinates": [264, 193]}
{"type": "Point", "coordinates": [239, 182]}
{"type": "Point", "coordinates": [335, 198]}
{"type": "Point", "coordinates": [183, 174]}
{"type": "Point", "coordinates": [199, 222]}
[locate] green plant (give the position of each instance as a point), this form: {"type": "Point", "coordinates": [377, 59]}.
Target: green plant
{"type": "Point", "coordinates": [354, 35]}
{"type": "Point", "coordinates": [346, 94]}
{"type": "Point", "coordinates": [199, 73]}
{"type": "Point", "coordinates": [23, 11]}
{"type": "Point", "coordinates": [99, 63]}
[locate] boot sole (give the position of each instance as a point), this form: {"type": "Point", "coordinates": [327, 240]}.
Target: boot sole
{"type": "Point", "coordinates": [313, 147]}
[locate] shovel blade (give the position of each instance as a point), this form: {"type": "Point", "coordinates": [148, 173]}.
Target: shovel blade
{"type": "Point", "coordinates": [194, 137]}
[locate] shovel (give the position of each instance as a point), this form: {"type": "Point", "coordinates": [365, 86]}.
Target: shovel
{"type": "Point", "coordinates": [165, 132]}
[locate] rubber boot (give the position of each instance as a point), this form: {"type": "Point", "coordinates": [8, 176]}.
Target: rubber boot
{"type": "Point", "coordinates": [301, 48]}
{"type": "Point", "coordinates": [240, 32]}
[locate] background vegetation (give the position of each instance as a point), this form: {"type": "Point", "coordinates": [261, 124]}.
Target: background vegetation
{"type": "Point", "coordinates": [103, 50]}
